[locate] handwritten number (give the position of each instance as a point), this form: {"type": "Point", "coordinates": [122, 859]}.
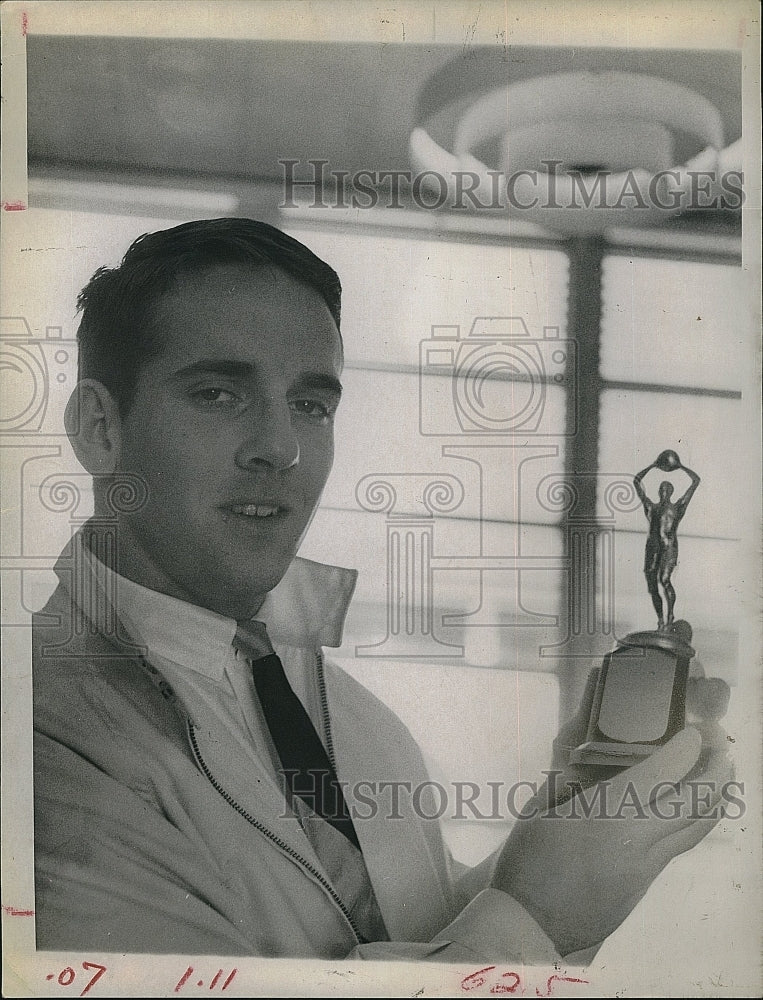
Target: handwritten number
{"type": "Point", "coordinates": [215, 979]}
{"type": "Point", "coordinates": [92, 965]}
{"type": "Point", "coordinates": [557, 979]}
{"type": "Point", "coordinates": [184, 979]}
{"type": "Point", "coordinates": [504, 987]}
{"type": "Point", "coordinates": [476, 979]}
{"type": "Point", "coordinates": [479, 978]}
{"type": "Point", "coordinates": [66, 976]}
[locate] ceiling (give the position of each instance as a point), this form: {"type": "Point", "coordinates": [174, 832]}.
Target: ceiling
{"type": "Point", "coordinates": [230, 108]}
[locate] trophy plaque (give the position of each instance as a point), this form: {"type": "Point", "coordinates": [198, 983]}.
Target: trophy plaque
{"type": "Point", "coordinates": [640, 697]}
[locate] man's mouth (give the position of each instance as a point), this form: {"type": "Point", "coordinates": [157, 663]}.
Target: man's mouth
{"type": "Point", "coordinates": [258, 510]}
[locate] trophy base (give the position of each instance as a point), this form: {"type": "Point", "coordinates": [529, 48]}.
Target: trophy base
{"type": "Point", "coordinates": [613, 754]}
{"type": "Point", "coordinates": [640, 698]}
{"type": "Point", "coordinates": [675, 642]}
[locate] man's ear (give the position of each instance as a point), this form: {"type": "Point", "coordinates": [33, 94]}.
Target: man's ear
{"type": "Point", "coordinates": [94, 427]}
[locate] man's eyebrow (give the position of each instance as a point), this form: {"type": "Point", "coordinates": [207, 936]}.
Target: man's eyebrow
{"type": "Point", "coordinates": [244, 370]}
{"type": "Point", "coordinates": [213, 366]}
{"type": "Point", "coordinates": [317, 380]}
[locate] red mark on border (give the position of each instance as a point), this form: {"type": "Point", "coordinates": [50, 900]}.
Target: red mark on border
{"type": "Point", "coordinates": [67, 976]}
{"type": "Point", "coordinates": [184, 978]}
{"type": "Point", "coordinates": [558, 979]}
{"type": "Point", "coordinates": [24, 23]}
{"type": "Point", "coordinates": [480, 978]}
{"type": "Point", "coordinates": [12, 911]}
{"type": "Point", "coordinates": [189, 972]}
{"type": "Point", "coordinates": [14, 206]}
{"type": "Point", "coordinates": [476, 979]}
{"type": "Point", "coordinates": [504, 987]}
{"type": "Point", "coordinates": [92, 965]}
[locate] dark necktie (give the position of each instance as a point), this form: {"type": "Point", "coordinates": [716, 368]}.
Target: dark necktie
{"type": "Point", "coordinates": [305, 765]}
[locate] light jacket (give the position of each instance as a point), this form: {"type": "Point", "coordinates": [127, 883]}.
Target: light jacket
{"type": "Point", "coordinates": [139, 846]}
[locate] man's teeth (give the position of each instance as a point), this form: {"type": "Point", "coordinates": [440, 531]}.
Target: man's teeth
{"type": "Point", "coordinates": [254, 510]}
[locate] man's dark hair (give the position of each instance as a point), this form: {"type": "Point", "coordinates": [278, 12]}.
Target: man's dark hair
{"type": "Point", "coordinates": [116, 333]}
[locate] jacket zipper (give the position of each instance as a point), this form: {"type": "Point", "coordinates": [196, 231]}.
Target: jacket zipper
{"type": "Point", "coordinates": [201, 763]}
{"type": "Point", "coordinates": [325, 712]}
{"type": "Point", "coordinates": [169, 695]}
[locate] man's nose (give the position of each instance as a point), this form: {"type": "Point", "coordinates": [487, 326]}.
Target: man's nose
{"type": "Point", "coordinates": [269, 438]}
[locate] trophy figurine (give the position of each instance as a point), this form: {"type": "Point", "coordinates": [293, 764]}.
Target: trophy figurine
{"type": "Point", "coordinates": [640, 697]}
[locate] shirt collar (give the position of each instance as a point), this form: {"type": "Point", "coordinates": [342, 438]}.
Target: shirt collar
{"type": "Point", "coordinates": [170, 629]}
{"type": "Point", "coordinates": [309, 605]}
{"type": "Point", "coordinates": [306, 609]}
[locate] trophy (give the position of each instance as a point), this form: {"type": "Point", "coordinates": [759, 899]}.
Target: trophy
{"type": "Point", "coordinates": [640, 697]}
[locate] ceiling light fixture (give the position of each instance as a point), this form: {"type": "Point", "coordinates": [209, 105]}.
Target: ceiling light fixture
{"type": "Point", "coordinates": [581, 152]}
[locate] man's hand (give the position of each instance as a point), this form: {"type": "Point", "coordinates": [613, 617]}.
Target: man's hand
{"type": "Point", "coordinates": [580, 862]}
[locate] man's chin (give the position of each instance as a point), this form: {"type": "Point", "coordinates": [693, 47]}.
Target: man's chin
{"type": "Point", "coordinates": [242, 599]}
{"type": "Point", "coordinates": [239, 606]}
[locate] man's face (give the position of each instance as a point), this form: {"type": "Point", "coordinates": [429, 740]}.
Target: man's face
{"type": "Point", "coordinates": [247, 378]}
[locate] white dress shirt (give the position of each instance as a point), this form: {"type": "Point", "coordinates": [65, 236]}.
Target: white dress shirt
{"type": "Point", "coordinates": [192, 648]}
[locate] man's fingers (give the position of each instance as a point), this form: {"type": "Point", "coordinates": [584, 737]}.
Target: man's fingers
{"type": "Point", "coordinates": [669, 763]}
{"type": "Point", "coordinates": [694, 798]}
{"type": "Point", "coordinates": [707, 698]}
{"type": "Point", "coordinates": [696, 670]}
{"type": "Point", "coordinates": [682, 840]}
{"type": "Point", "coordinates": [714, 765]}
{"type": "Point", "coordinates": [574, 732]}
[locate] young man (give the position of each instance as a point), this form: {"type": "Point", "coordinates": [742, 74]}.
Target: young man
{"type": "Point", "coordinates": [182, 704]}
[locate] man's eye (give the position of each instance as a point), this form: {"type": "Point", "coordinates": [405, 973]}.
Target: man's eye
{"type": "Point", "coordinates": [313, 409]}
{"type": "Point", "coordinates": [213, 397]}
